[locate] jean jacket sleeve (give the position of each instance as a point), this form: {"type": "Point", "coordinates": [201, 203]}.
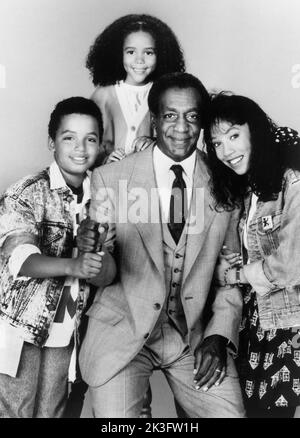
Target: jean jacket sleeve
{"type": "Point", "coordinates": [281, 268]}
{"type": "Point", "coordinates": [18, 224]}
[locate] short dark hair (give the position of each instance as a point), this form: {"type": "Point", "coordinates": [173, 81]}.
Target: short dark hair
{"type": "Point", "coordinates": [105, 58]}
{"type": "Point", "coordinates": [181, 81]}
{"type": "Point", "coordinates": [74, 105]}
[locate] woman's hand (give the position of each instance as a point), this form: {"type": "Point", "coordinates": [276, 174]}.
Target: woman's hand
{"type": "Point", "coordinates": [233, 258]}
{"type": "Point", "coordinates": [219, 275]}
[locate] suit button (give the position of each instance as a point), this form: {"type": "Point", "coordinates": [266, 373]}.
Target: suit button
{"type": "Point", "coordinates": [51, 307]}
{"type": "Point", "coordinates": [174, 284]}
{"type": "Point", "coordinates": [176, 270]}
{"type": "Point", "coordinates": [172, 298]}
{"type": "Point", "coordinates": [146, 336]}
{"type": "Point", "coordinates": [177, 256]}
{"type": "Point", "coordinates": [157, 306]}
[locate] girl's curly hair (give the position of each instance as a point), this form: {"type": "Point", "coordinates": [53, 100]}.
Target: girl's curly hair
{"type": "Point", "coordinates": [105, 58]}
{"type": "Point", "coordinates": [268, 160]}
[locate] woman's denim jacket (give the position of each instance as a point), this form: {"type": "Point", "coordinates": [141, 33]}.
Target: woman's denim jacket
{"type": "Point", "coordinates": [274, 255]}
{"type": "Point", "coordinates": [32, 212]}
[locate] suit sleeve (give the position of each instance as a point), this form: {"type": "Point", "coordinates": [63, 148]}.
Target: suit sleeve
{"type": "Point", "coordinates": [228, 302]}
{"type": "Point", "coordinates": [102, 207]}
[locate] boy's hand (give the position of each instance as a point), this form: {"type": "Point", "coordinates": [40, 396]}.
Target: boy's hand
{"type": "Point", "coordinates": [116, 155]}
{"type": "Point", "coordinates": [91, 235]}
{"type": "Point", "coordinates": [87, 265]}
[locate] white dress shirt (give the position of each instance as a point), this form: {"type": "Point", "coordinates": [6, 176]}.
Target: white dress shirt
{"type": "Point", "coordinates": [165, 177]}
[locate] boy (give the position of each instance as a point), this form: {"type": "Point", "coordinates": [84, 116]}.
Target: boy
{"type": "Point", "coordinates": [43, 288]}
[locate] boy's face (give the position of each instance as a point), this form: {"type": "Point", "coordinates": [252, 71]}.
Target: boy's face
{"type": "Point", "coordinates": [76, 146]}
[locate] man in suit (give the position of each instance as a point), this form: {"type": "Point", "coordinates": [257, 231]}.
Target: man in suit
{"type": "Point", "coordinates": [165, 235]}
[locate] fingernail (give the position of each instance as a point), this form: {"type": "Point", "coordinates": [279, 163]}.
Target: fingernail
{"type": "Point", "coordinates": [195, 371]}
{"type": "Point", "coordinates": [197, 387]}
{"type": "Point", "coordinates": [205, 388]}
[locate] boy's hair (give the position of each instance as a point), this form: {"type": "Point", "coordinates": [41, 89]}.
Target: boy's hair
{"type": "Point", "coordinates": [105, 58]}
{"type": "Point", "coordinates": [74, 105]}
{"type": "Point", "coordinates": [181, 81]}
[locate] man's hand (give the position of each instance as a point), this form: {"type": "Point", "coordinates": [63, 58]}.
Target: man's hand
{"type": "Point", "coordinates": [87, 265]}
{"type": "Point", "coordinates": [210, 362]}
{"type": "Point", "coordinates": [91, 235]}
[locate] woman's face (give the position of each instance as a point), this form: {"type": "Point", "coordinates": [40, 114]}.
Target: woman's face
{"type": "Point", "coordinates": [232, 145]}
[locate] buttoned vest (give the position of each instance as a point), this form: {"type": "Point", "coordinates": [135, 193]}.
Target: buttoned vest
{"type": "Point", "coordinates": [172, 310]}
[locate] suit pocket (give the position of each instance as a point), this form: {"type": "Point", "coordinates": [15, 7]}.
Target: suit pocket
{"type": "Point", "coordinates": [105, 314]}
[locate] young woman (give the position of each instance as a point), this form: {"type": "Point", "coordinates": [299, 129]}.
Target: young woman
{"type": "Point", "coordinates": [256, 166]}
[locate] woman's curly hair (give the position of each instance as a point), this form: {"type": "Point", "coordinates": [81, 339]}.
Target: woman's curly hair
{"type": "Point", "coordinates": [105, 58]}
{"type": "Point", "coordinates": [269, 157]}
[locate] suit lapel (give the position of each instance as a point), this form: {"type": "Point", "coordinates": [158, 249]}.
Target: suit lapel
{"type": "Point", "coordinates": [202, 213]}
{"type": "Point", "coordinates": [142, 192]}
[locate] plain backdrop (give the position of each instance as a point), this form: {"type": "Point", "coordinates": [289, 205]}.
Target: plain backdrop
{"type": "Point", "coordinates": [250, 47]}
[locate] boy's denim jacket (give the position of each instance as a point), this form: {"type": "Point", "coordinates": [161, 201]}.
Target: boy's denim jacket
{"type": "Point", "coordinates": [32, 212]}
{"type": "Point", "coordinates": [274, 255]}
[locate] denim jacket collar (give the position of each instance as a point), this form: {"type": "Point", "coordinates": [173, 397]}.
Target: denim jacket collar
{"type": "Point", "coordinates": [57, 181]}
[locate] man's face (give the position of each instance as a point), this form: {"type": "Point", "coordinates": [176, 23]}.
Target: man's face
{"type": "Point", "coordinates": [178, 123]}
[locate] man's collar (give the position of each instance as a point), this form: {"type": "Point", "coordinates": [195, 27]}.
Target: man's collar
{"type": "Point", "coordinates": [166, 162]}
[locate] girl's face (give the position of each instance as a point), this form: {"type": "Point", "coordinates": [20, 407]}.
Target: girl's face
{"type": "Point", "coordinates": [232, 145]}
{"type": "Point", "coordinates": [139, 57]}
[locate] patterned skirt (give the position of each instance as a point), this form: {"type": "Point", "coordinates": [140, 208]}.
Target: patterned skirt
{"type": "Point", "coordinates": [268, 362]}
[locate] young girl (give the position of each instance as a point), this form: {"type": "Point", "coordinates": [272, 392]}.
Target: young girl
{"type": "Point", "coordinates": [124, 60]}
{"type": "Point", "coordinates": [257, 165]}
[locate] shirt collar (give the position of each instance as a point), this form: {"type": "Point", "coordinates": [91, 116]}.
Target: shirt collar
{"type": "Point", "coordinates": [163, 162]}
{"type": "Point", "coordinates": [57, 181]}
